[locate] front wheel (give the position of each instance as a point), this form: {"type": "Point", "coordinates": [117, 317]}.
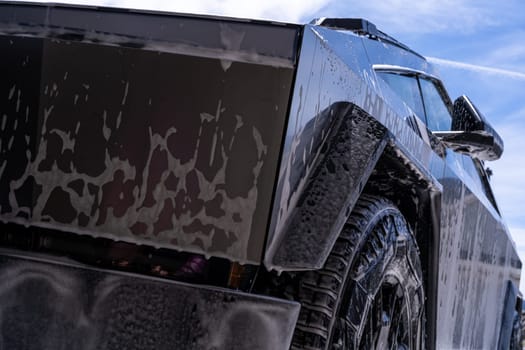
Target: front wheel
{"type": "Point", "coordinates": [369, 294]}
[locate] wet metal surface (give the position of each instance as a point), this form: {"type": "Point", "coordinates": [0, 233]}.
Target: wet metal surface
{"type": "Point", "coordinates": [474, 252]}
{"type": "Point", "coordinates": [184, 151]}
{"type": "Point", "coordinates": [179, 153]}
{"type": "Point", "coordinates": [46, 305]}
{"type": "Point", "coordinates": [333, 71]}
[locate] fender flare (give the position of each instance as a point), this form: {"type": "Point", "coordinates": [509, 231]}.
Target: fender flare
{"type": "Point", "coordinates": [347, 160]}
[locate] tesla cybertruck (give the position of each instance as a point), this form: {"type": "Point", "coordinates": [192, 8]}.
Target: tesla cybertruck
{"type": "Point", "coordinates": [176, 181]}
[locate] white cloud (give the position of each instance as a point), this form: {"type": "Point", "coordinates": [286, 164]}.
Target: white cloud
{"type": "Point", "coordinates": [425, 16]}
{"type": "Point", "coordinates": [398, 16]}
{"type": "Point", "coordinates": [508, 52]}
{"type": "Point", "coordinates": [287, 11]}
{"type": "Point", "coordinates": [513, 50]}
{"type": "Point", "coordinates": [393, 16]}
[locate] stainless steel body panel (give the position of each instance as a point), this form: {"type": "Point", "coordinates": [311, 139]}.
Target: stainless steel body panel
{"type": "Point", "coordinates": [475, 254]}
{"type": "Point", "coordinates": [334, 70]}
{"type": "Point", "coordinates": [62, 305]}
{"type": "Point", "coordinates": [163, 130]}
{"type": "Point", "coordinates": [184, 153]}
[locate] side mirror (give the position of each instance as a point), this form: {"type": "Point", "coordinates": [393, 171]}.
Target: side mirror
{"type": "Point", "coordinates": [471, 133]}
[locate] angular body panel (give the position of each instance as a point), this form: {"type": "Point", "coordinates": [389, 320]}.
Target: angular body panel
{"type": "Point", "coordinates": [153, 146]}
{"type": "Point", "coordinates": [109, 310]}
{"type": "Point", "coordinates": [234, 139]}
{"type": "Point", "coordinates": [476, 260]}
{"type": "Point", "coordinates": [334, 71]}
{"type": "Point", "coordinates": [474, 253]}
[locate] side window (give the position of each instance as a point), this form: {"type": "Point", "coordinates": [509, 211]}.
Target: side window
{"type": "Point", "coordinates": [407, 88]}
{"type": "Point", "coordinates": [438, 115]}
{"type": "Point", "coordinates": [422, 95]}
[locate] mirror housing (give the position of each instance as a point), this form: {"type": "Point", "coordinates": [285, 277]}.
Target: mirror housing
{"type": "Point", "coordinates": [471, 133]}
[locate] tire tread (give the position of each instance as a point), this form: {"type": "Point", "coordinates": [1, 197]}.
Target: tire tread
{"type": "Point", "coordinates": [312, 311]}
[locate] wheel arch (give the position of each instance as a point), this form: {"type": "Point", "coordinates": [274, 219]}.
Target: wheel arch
{"type": "Point", "coordinates": [352, 160]}
{"type": "Point", "coordinates": [386, 168]}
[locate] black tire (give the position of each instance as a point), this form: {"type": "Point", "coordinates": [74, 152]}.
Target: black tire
{"type": "Point", "coordinates": [369, 294]}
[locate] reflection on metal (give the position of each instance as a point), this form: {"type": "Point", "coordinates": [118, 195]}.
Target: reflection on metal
{"type": "Point", "coordinates": [471, 133]}
{"type": "Point", "coordinates": [47, 305]}
{"type": "Point", "coordinates": [473, 253]}
{"type": "Point", "coordinates": [179, 153]}
{"type": "Point", "coordinates": [170, 134]}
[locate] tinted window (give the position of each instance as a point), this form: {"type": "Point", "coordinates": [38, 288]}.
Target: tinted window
{"type": "Point", "coordinates": [423, 97]}
{"type": "Point", "coordinates": [438, 116]}
{"type": "Point", "coordinates": [407, 88]}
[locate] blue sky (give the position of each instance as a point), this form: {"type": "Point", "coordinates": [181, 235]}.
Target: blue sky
{"type": "Point", "coordinates": [477, 45]}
